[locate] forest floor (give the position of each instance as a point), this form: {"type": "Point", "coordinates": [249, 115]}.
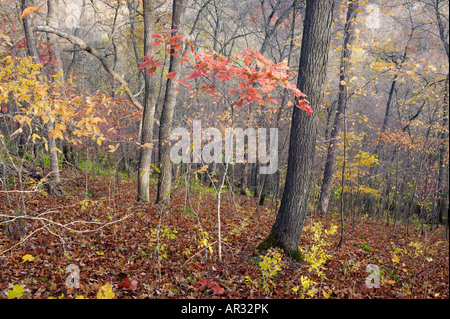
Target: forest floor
{"type": "Point", "coordinates": [113, 239]}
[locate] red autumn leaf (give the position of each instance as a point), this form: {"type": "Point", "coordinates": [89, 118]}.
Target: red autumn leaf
{"type": "Point", "coordinates": [304, 105]}
{"type": "Point", "coordinates": [143, 65]}
{"type": "Point", "coordinates": [270, 97]}
{"type": "Point", "coordinates": [151, 71]}
{"type": "Point", "coordinates": [195, 75]}
{"type": "Point", "coordinates": [225, 76]}
{"type": "Point", "coordinates": [269, 75]}
{"type": "Point", "coordinates": [128, 284]}
{"type": "Point", "coordinates": [213, 285]}
{"type": "Point", "coordinates": [217, 290]}
{"type": "Point", "coordinates": [171, 75]}
{"type": "Point", "coordinates": [150, 64]}
{"type": "Point", "coordinates": [157, 43]}
{"type": "Point", "coordinates": [267, 88]}
{"type": "Point", "coordinates": [252, 90]}
{"type": "Point", "coordinates": [204, 283]}
{"type": "Point", "coordinates": [247, 60]}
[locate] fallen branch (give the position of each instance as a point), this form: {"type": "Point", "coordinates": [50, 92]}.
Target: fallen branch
{"type": "Point", "coordinates": [417, 273]}
{"type": "Point", "coordinates": [47, 222]}
{"type": "Point", "coordinates": [198, 252]}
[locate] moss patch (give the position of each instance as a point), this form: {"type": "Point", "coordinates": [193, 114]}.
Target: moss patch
{"type": "Point", "coordinates": [273, 241]}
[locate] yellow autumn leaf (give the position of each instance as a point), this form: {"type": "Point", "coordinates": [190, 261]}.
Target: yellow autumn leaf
{"type": "Point", "coordinates": [34, 137]}
{"type": "Point", "coordinates": [113, 148]}
{"type": "Point", "coordinates": [147, 145]}
{"type": "Point", "coordinates": [56, 149]}
{"type": "Point", "coordinates": [105, 292]}
{"type": "Point", "coordinates": [17, 291]}
{"type": "Point", "coordinates": [27, 257]}
{"type": "Point", "coordinates": [156, 168]}
{"type": "Point", "coordinates": [395, 259]}
{"type": "Point", "coordinates": [201, 170]}
{"type": "Point", "coordinates": [27, 11]}
{"type": "Point", "coordinates": [389, 282]}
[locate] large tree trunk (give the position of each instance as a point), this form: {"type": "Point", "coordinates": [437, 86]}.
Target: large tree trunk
{"type": "Point", "coordinates": [145, 153]}
{"type": "Point", "coordinates": [288, 226]}
{"type": "Point", "coordinates": [342, 104]}
{"type": "Point", "coordinates": [170, 100]}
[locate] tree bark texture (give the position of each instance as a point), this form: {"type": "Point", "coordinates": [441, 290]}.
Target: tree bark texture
{"type": "Point", "coordinates": [55, 67]}
{"type": "Point", "coordinates": [145, 152]}
{"type": "Point", "coordinates": [31, 45]}
{"type": "Point", "coordinates": [170, 100]}
{"type": "Point", "coordinates": [287, 229]}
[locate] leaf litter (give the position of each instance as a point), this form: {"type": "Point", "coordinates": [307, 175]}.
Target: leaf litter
{"type": "Point", "coordinates": [146, 252]}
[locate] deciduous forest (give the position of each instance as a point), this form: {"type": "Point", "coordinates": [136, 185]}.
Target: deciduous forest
{"type": "Point", "coordinates": [206, 149]}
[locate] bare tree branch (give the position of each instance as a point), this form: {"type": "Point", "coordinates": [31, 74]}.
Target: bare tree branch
{"type": "Point", "coordinates": [84, 46]}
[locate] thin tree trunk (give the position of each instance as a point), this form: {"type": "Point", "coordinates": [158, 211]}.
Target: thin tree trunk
{"type": "Point", "coordinates": [343, 180]}
{"type": "Point", "coordinates": [443, 136]}
{"type": "Point", "coordinates": [132, 16]}
{"type": "Point", "coordinates": [244, 179]}
{"type": "Point", "coordinates": [269, 31]}
{"type": "Point", "coordinates": [145, 151]}
{"type": "Point", "coordinates": [443, 148]}
{"type": "Point", "coordinates": [52, 21]}
{"type": "Point", "coordinates": [76, 33]}
{"type": "Point", "coordinates": [170, 100]}
{"type": "Point", "coordinates": [54, 68]}
{"type": "Point", "coordinates": [380, 143]}
{"type": "Point", "coordinates": [288, 226]}
{"type": "Point", "coordinates": [31, 46]}
{"type": "Point", "coordinates": [54, 185]}
{"type": "Point", "coordinates": [342, 105]}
